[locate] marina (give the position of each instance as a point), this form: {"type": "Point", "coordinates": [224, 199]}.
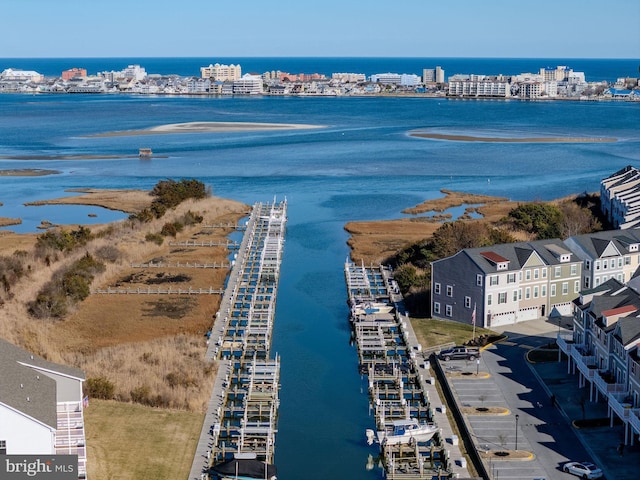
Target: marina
{"type": "Point", "coordinates": [411, 429]}
{"type": "Point", "coordinates": [238, 435]}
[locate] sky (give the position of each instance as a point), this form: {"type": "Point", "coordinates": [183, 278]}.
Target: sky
{"type": "Point", "coordinates": [320, 28]}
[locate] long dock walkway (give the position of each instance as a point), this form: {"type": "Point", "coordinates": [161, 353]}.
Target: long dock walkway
{"type": "Point", "coordinates": [241, 418]}
{"type": "Point", "coordinates": [401, 385]}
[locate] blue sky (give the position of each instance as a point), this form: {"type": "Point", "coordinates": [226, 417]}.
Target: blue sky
{"type": "Point", "coordinates": [371, 28]}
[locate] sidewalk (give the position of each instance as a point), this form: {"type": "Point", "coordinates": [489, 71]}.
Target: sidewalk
{"type": "Point", "coordinates": [603, 442]}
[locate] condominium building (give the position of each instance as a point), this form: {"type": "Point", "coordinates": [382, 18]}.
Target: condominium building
{"type": "Point", "coordinates": [604, 349]}
{"type": "Point", "coordinates": [74, 73]}
{"type": "Point", "coordinates": [620, 197]}
{"type": "Point", "coordinates": [505, 284]}
{"type": "Point", "coordinates": [21, 75]}
{"type": "Point", "coordinates": [248, 85]}
{"type": "Point", "coordinates": [224, 73]}
{"type": "Point", "coordinates": [349, 77]}
{"type": "Point", "coordinates": [41, 407]}
{"type": "Point", "coordinates": [478, 86]}
{"type": "Point", "coordinates": [607, 254]}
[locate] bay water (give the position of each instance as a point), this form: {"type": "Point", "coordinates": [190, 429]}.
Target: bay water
{"type": "Point", "coordinates": [362, 165]}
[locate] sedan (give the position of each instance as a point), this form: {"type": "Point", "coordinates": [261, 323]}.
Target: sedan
{"type": "Point", "coordinates": [586, 470]}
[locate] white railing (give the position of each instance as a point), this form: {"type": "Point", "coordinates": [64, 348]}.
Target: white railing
{"type": "Point", "coordinates": [586, 363]}
{"type": "Point", "coordinates": [634, 419]}
{"type": "Point", "coordinates": [619, 406]}
{"type": "Point", "coordinates": [607, 388]}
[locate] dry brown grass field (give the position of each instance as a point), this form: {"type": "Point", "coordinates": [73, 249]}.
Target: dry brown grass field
{"type": "Point", "coordinates": [134, 340]}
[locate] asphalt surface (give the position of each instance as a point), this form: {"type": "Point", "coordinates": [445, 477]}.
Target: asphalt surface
{"type": "Point", "coordinates": [545, 436]}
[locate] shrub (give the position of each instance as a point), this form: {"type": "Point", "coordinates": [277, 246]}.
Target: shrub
{"type": "Point", "coordinates": [108, 253]}
{"type": "Point", "coordinates": [171, 229]}
{"type": "Point", "coordinates": [99, 387]}
{"type": "Point", "coordinates": [155, 238]}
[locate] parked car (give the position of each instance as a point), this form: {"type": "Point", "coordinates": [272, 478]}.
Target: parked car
{"type": "Point", "coordinates": [459, 353]}
{"type": "Point", "coordinates": [586, 470]}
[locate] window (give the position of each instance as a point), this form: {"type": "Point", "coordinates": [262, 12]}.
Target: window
{"type": "Point", "coordinates": [448, 310]}
{"type": "Point", "coordinates": [620, 262]}
{"type": "Point", "coordinates": [597, 264]}
{"type": "Point", "coordinates": [587, 264]}
{"type": "Point", "coordinates": [467, 302]}
{"type": "Point", "coordinates": [576, 287]}
{"type": "Point", "coordinates": [565, 288]}
{"type": "Point", "coordinates": [627, 260]}
{"type": "Point", "coordinates": [511, 278]}
{"type": "Point", "coordinates": [519, 294]}
{"type": "Point", "coordinates": [527, 274]}
{"type": "Point", "coordinates": [436, 288]}
{"type": "Point", "coordinates": [493, 280]}
{"type": "Point", "coordinates": [604, 264]}
{"type": "Point", "coordinates": [535, 292]}
{"type": "Point", "coordinates": [536, 274]}
{"type": "Point", "coordinates": [3, 447]}
{"type": "Point", "coordinates": [436, 307]}
{"type": "Point", "coordinates": [479, 280]}
{"type": "Point", "coordinates": [553, 289]}
{"type": "Point", "coordinates": [520, 274]}
{"type": "Point", "coordinates": [449, 291]}
{"type": "Point", "coordinates": [558, 271]}
{"type": "Point", "coordinates": [515, 295]}
{"type": "Point", "coordinates": [597, 281]}
{"type": "Point", "coordinates": [489, 299]}
{"type": "Point", "coordinates": [544, 273]}
{"type": "Point", "coordinates": [574, 270]}
{"type": "Point", "coordinates": [543, 291]}
{"type": "Point", "coordinates": [527, 293]}
{"type": "Point", "coordinates": [586, 282]}
{"type": "Point", "coordinates": [502, 297]}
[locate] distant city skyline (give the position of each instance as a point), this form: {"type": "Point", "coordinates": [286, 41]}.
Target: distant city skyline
{"type": "Point", "coordinates": [331, 28]}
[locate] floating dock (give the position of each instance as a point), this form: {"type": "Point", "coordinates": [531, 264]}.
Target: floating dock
{"type": "Point", "coordinates": [241, 421]}
{"type": "Point", "coordinates": [390, 356]}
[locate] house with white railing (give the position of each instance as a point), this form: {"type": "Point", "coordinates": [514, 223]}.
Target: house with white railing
{"type": "Point", "coordinates": [603, 350]}
{"type": "Point", "coordinates": [41, 407]}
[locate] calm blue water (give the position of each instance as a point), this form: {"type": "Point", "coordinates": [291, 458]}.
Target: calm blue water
{"type": "Point", "coordinates": [362, 166]}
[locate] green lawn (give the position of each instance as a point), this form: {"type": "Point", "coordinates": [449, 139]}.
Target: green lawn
{"type": "Point", "coordinates": [432, 332]}
{"type": "Point", "coordinates": [129, 441]}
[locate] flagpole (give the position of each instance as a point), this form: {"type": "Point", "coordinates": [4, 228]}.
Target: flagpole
{"type": "Point", "coordinates": [473, 320]}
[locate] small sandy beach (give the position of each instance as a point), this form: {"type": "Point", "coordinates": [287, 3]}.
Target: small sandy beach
{"type": "Point", "coordinates": [209, 127]}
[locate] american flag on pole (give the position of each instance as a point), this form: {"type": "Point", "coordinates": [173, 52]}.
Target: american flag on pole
{"type": "Point", "coordinates": [473, 315]}
{"type": "Point", "coordinates": [85, 402]}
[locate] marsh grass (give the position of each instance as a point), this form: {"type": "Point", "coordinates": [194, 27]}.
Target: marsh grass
{"type": "Point", "coordinates": [109, 335]}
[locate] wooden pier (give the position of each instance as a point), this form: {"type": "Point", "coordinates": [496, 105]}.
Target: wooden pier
{"type": "Point", "coordinates": [390, 356]}
{"type": "Point", "coordinates": [242, 418]}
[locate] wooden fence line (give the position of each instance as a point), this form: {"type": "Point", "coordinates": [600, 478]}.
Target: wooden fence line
{"type": "Point", "coordinates": [180, 265]}
{"type": "Point", "coordinates": [159, 291]}
{"type": "Point", "coordinates": [191, 243]}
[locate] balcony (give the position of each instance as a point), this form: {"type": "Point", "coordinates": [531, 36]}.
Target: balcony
{"type": "Point", "coordinates": [634, 419]}
{"type": "Point", "coordinates": [587, 364]}
{"type": "Point", "coordinates": [565, 343]}
{"type": "Point", "coordinates": [620, 404]}
{"type": "Point", "coordinates": [605, 382]}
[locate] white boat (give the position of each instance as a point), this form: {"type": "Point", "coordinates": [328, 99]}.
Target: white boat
{"type": "Point", "coordinates": [403, 431]}
{"type": "Point", "coordinates": [369, 308]}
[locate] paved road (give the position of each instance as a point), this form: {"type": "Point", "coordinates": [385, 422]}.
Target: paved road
{"type": "Point", "coordinates": [541, 428]}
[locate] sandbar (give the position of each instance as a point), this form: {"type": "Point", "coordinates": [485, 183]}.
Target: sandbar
{"type": "Point", "coordinates": [208, 127]}
{"type": "Point", "coordinates": [27, 172]}
{"type": "Point", "coordinates": [470, 138]}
